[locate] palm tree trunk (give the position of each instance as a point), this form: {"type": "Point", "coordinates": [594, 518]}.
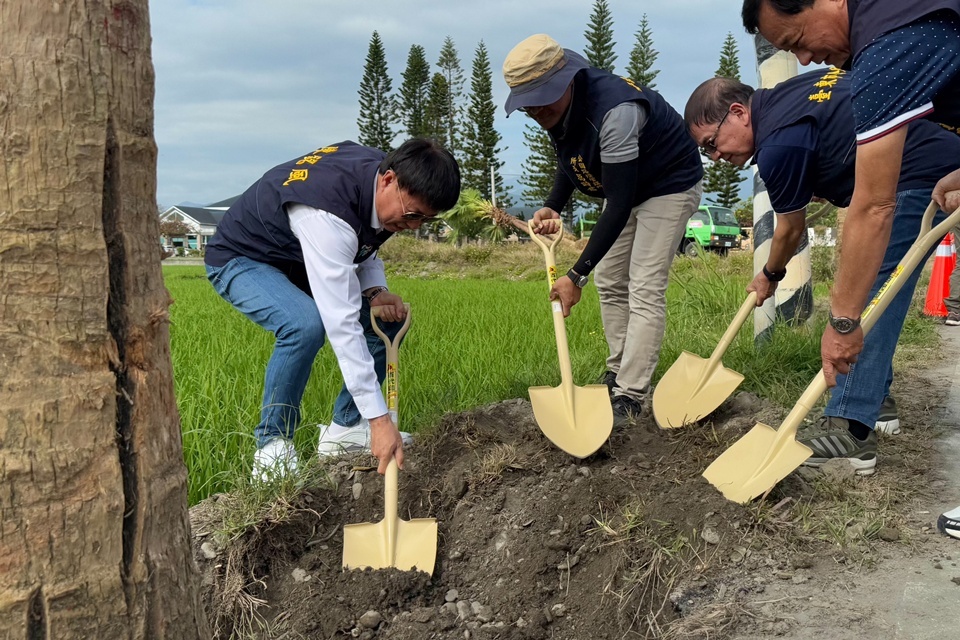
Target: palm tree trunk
{"type": "Point", "coordinates": [94, 536]}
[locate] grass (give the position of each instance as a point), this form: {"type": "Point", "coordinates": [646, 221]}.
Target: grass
{"type": "Point", "coordinates": [482, 332]}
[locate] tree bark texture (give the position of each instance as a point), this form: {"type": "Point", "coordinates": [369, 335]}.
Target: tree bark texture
{"type": "Point", "coordinates": [94, 536]}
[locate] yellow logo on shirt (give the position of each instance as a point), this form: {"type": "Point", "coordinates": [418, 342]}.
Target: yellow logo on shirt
{"type": "Point", "coordinates": [633, 84]}
{"type": "Point", "coordinates": [826, 81]}
{"type": "Point", "coordinates": [309, 160]}
{"type": "Point", "coordinates": [586, 180]}
{"type": "Point", "coordinates": [297, 175]}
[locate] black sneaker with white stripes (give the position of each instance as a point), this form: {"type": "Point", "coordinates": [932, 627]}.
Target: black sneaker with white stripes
{"type": "Point", "coordinates": [836, 441]}
{"type": "Point", "coordinates": [949, 523]}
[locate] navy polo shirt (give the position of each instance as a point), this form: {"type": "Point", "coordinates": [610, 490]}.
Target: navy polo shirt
{"type": "Point", "coordinates": [905, 63]}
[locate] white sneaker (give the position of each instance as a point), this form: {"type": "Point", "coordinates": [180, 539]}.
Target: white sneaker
{"type": "Point", "coordinates": [274, 460]}
{"type": "Point", "coordinates": [336, 439]}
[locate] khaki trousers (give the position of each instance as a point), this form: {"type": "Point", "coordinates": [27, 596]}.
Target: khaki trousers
{"type": "Point", "coordinates": [632, 282]}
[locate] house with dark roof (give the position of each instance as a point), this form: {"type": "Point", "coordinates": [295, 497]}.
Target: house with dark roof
{"type": "Point", "coordinates": [201, 223]}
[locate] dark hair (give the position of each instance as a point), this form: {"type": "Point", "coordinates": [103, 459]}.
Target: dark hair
{"type": "Point", "coordinates": [426, 171]}
{"type": "Point", "coordinates": [751, 11]}
{"type": "Point", "coordinates": [712, 99]}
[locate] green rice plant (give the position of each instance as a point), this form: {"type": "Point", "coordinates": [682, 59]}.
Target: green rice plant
{"type": "Point", "coordinates": [474, 341]}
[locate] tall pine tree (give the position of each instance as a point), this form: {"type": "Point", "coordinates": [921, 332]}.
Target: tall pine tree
{"type": "Point", "coordinates": [540, 168]}
{"type": "Point", "coordinates": [449, 64]}
{"type": "Point", "coordinates": [377, 105]}
{"type": "Point", "coordinates": [721, 179]}
{"type": "Point", "coordinates": [436, 112]}
{"type": "Point", "coordinates": [480, 151]}
{"type": "Point", "coordinates": [414, 92]}
{"type": "Point", "coordinates": [599, 35]}
{"type": "Point", "coordinates": [729, 59]}
{"type": "Point", "coordinates": [642, 56]}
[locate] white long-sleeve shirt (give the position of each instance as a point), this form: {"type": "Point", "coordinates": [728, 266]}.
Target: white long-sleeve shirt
{"type": "Point", "coordinates": [329, 245]}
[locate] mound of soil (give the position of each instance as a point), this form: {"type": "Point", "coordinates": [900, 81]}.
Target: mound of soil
{"type": "Point", "coordinates": [631, 542]}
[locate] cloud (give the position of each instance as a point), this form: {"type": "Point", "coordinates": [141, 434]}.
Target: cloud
{"type": "Point", "coordinates": [243, 85]}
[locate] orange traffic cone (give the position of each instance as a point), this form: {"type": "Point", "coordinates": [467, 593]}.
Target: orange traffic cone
{"type": "Point", "coordinates": [940, 278]}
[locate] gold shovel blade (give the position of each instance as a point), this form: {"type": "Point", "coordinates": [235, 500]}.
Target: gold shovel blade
{"type": "Point", "coordinates": [755, 463]}
{"type": "Point", "coordinates": [579, 427]}
{"type": "Point", "coordinates": [369, 545]}
{"type": "Point", "coordinates": [689, 391]}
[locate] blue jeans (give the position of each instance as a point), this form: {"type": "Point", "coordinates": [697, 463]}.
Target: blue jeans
{"type": "Point", "coordinates": [265, 295]}
{"type": "Point", "coordinates": [858, 395]}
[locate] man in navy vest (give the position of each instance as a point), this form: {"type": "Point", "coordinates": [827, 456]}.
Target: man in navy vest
{"type": "Point", "coordinates": [297, 254]}
{"type": "Point", "coordinates": [904, 59]}
{"type": "Point", "coordinates": [800, 135]}
{"type": "Point", "coordinates": [621, 142]}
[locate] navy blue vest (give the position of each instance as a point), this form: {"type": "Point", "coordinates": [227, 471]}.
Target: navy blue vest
{"type": "Point", "coordinates": [669, 159]}
{"type": "Point", "coordinates": [823, 97]}
{"type": "Point", "coordinates": [339, 179]}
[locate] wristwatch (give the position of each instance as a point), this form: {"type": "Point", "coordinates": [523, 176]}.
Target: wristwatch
{"type": "Point", "coordinates": [579, 280]}
{"type": "Point", "coordinates": [774, 276]}
{"type": "Point", "coordinates": [843, 325]}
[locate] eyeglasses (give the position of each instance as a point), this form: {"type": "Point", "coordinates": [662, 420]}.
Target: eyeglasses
{"type": "Point", "coordinates": [409, 215]}
{"type": "Point", "coordinates": [709, 147]}
{"type": "Point", "coordinates": [530, 111]}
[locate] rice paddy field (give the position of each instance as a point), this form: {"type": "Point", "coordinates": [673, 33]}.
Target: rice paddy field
{"type": "Point", "coordinates": [479, 335]}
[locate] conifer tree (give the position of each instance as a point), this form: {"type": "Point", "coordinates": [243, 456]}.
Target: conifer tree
{"type": "Point", "coordinates": [729, 60]}
{"type": "Point", "coordinates": [540, 168]}
{"type": "Point", "coordinates": [449, 64]}
{"type": "Point", "coordinates": [377, 104]}
{"type": "Point", "coordinates": [721, 179]}
{"type": "Point", "coordinates": [414, 92]}
{"type": "Point", "coordinates": [599, 35]}
{"type": "Point", "coordinates": [480, 150]}
{"type": "Point", "coordinates": [642, 56]}
{"type": "Point", "coordinates": [436, 111]}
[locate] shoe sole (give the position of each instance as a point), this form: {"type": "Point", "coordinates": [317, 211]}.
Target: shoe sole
{"type": "Point", "coordinates": [942, 527]}
{"type": "Point", "coordinates": [889, 427]}
{"type": "Point", "coordinates": [860, 467]}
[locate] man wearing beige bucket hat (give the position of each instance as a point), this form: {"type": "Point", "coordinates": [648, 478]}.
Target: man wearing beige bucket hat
{"type": "Point", "coordinates": [621, 142]}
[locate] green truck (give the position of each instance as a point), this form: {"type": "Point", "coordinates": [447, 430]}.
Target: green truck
{"type": "Point", "coordinates": [712, 228]}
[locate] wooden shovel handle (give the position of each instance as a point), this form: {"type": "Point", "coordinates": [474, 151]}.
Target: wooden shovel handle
{"type": "Point", "coordinates": [926, 238]}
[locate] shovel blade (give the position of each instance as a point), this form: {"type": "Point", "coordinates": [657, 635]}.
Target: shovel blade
{"type": "Point", "coordinates": [688, 391]}
{"type": "Point", "coordinates": [369, 545]}
{"type": "Point", "coordinates": [579, 431]}
{"type": "Point", "coordinates": [755, 463]}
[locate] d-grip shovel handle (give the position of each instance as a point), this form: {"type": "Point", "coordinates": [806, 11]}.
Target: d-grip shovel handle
{"type": "Point", "coordinates": [563, 349]}
{"type": "Point", "coordinates": [877, 306]}
{"type": "Point", "coordinates": [390, 480]}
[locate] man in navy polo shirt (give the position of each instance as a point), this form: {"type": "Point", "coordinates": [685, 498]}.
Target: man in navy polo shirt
{"type": "Point", "coordinates": [297, 255]}
{"type": "Point", "coordinates": [800, 135]}
{"type": "Point", "coordinates": [904, 59]}
{"type": "Point", "coordinates": [622, 142]}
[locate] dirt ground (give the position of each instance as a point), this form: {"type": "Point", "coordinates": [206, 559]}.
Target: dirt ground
{"type": "Point", "coordinates": [631, 542]}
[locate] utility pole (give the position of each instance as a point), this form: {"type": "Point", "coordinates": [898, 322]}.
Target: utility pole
{"type": "Point", "coordinates": [493, 187]}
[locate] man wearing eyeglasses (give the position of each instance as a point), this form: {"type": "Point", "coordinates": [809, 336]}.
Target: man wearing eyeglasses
{"type": "Point", "coordinates": [621, 142]}
{"type": "Point", "coordinates": [800, 135]}
{"type": "Point", "coordinates": [297, 254]}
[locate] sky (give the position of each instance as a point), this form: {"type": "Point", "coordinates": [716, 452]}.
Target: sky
{"type": "Point", "coordinates": [243, 85]}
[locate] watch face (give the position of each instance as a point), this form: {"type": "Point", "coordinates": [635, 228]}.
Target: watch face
{"type": "Point", "coordinates": [843, 325]}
